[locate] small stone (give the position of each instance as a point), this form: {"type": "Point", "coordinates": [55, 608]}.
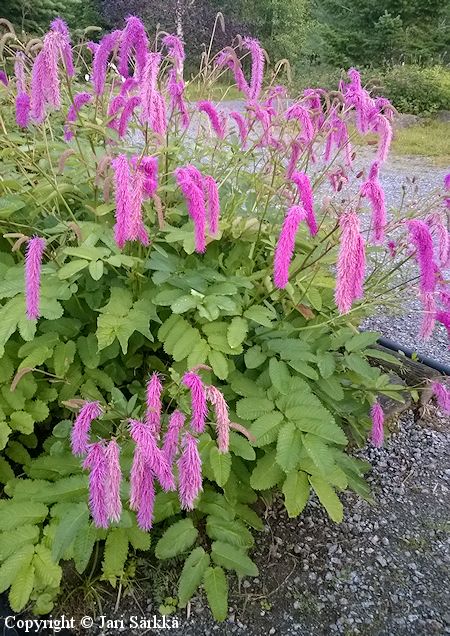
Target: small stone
{"type": "Point", "coordinates": [381, 560]}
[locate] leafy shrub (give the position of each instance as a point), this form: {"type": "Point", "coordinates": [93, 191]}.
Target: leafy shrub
{"type": "Point", "coordinates": [412, 88]}
{"type": "Point", "coordinates": [133, 286]}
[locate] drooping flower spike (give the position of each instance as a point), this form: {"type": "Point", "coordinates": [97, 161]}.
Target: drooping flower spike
{"type": "Point", "coordinates": [101, 56]}
{"type": "Point", "coordinates": [286, 243]}
{"type": "Point", "coordinates": [373, 191]}
{"type": "Point", "coordinates": [152, 455]}
{"type": "Point", "coordinates": [176, 92]}
{"type": "Point", "coordinates": [3, 78]}
{"type": "Point", "coordinates": [429, 315]}
{"type": "Point", "coordinates": [222, 417]}
{"type": "Point", "coordinates": [22, 99]}
{"type": "Point", "coordinates": [189, 472]}
{"type": "Point", "coordinates": [122, 181]}
{"type": "Point", "coordinates": [176, 51]}
{"type": "Point", "coordinates": [190, 181]}
{"type": "Point", "coordinates": [199, 407]}
{"type": "Point", "coordinates": [257, 55]}
{"type": "Point", "coordinates": [79, 100]}
{"type": "Point", "coordinates": [377, 415]}
{"type": "Point", "coordinates": [172, 436]}
{"type": "Point", "coordinates": [351, 263]}
{"type": "Point", "coordinates": [442, 394]}
{"type": "Point", "coordinates": [304, 187]}
{"type": "Point", "coordinates": [241, 125]}
{"type": "Point", "coordinates": [154, 404]}
{"type": "Point", "coordinates": [133, 39]}
{"type": "Point", "coordinates": [81, 427]}
{"type": "Point", "coordinates": [421, 238]}
{"type": "Point", "coordinates": [33, 265]}
{"type": "Point", "coordinates": [114, 479]}
{"type": "Point", "coordinates": [212, 204]}
{"type": "Point", "coordinates": [97, 463]}
{"type": "Point", "coordinates": [216, 119]}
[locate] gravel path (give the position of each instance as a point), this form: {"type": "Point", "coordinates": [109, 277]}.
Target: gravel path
{"type": "Point", "coordinates": [384, 571]}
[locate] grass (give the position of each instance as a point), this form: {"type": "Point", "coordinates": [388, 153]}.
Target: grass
{"type": "Point", "coordinates": [429, 139]}
{"type": "Point", "coordinates": [217, 92]}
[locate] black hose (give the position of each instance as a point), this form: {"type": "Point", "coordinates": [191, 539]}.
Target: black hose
{"type": "Point", "coordinates": [409, 353]}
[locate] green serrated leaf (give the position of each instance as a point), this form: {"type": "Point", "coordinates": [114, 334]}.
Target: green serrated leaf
{"type": "Point", "coordinates": [267, 473]}
{"type": "Point", "coordinates": [47, 571]}
{"type": "Point", "coordinates": [229, 531]}
{"type": "Point", "coordinates": [296, 492]}
{"type": "Point", "coordinates": [279, 375]}
{"type": "Point", "coordinates": [252, 408]}
{"type": "Point", "coordinates": [237, 331]}
{"type": "Point", "coordinates": [266, 428]}
{"type": "Point", "coordinates": [220, 464]}
{"type": "Point", "coordinates": [233, 558]}
{"type": "Point", "coordinates": [14, 514]}
{"type": "Point", "coordinates": [289, 447]}
{"type": "Point", "coordinates": [115, 554]}
{"type": "Point", "coordinates": [176, 539]}
{"type": "Point", "coordinates": [216, 588]}
{"type": "Point", "coordinates": [328, 498]}
{"type": "Point", "coordinates": [69, 525]}
{"type": "Point", "coordinates": [21, 588]}
{"type": "Point", "coordinates": [194, 568]}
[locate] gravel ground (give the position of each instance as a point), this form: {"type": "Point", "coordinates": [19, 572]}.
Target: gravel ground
{"type": "Point", "coordinates": [384, 571]}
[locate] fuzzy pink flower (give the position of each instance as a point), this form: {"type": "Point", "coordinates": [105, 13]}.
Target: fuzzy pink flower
{"type": "Point", "coordinates": [122, 180]}
{"type": "Point", "coordinates": [351, 263]}
{"type": "Point", "coordinates": [303, 184]}
{"type": "Point", "coordinates": [190, 472]}
{"type": "Point", "coordinates": [190, 181]}
{"type": "Point", "coordinates": [33, 264]}
{"type": "Point", "coordinates": [114, 479]}
{"type": "Point", "coordinates": [257, 76]}
{"type": "Point", "coordinates": [19, 72]}
{"type": "Point", "coordinates": [144, 515]}
{"type": "Point", "coordinates": [136, 229]}
{"type": "Point", "coordinates": [100, 62]}
{"type": "Point", "coordinates": [420, 237]}
{"type": "Point", "coordinates": [286, 244]}
{"type": "Point", "coordinates": [45, 85]}
{"type": "Point", "coordinates": [447, 187]}
{"type": "Point", "coordinates": [176, 51]}
{"type": "Point", "coordinates": [133, 38]}
{"type": "Point", "coordinates": [216, 119]}
{"type": "Point", "coordinates": [442, 394]}
{"type": "Point", "coordinates": [428, 319]}
{"type": "Point", "coordinates": [338, 179]}
{"type": "Point", "coordinates": [171, 438]}
{"type": "Point", "coordinates": [222, 418]}
{"type": "Point", "coordinates": [127, 113]}
{"type": "Point", "coordinates": [138, 474]}
{"type": "Point", "coordinates": [152, 454]}
{"type": "Point", "coordinates": [302, 115]}
{"type": "Point", "coordinates": [377, 434]}
{"type": "Point", "coordinates": [241, 125]}
{"type": "Point", "coordinates": [199, 407]}
{"type": "Point", "coordinates": [81, 427]}
{"type": "Point", "coordinates": [22, 110]}
{"type": "Point", "coordinates": [98, 479]}
{"type": "Point", "coordinates": [149, 89]}
{"type": "Point", "coordinates": [384, 130]}
{"type": "Point", "coordinates": [228, 58]}
{"type": "Point", "coordinates": [372, 190]}
{"type": "Point", "coordinates": [176, 91]}
{"type": "Point", "coordinates": [159, 121]}
{"type": "Point", "coordinates": [114, 106]}
{"type": "Point", "coordinates": [439, 229]}
{"type": "Point", "coordinates": [79, 100]}
{"type": "Point", "coordinates": [212, 204]}
{"type": "Point", "coordinates": [3, 78]}
{"type": "Point", "coordinates": [149, 165]}
{"type": "Point", "coordinates": [154, 403]}
{"type": "Point", "coordinates": [61, 27]}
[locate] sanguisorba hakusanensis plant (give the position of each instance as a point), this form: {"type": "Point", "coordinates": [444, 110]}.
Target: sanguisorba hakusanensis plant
{"type": "Point", "coordinates": [188, 282]}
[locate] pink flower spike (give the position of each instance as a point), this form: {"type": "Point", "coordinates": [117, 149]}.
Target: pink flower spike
{"type": "Point", "coordinates": [190, 472]}
{"type": "Point", "coordinates": [377, 415]}
{"type": "Point", "coordinates": [351, 263]}
{"type": "Point", "coordinates": [22, 110]}
{"type": "Point", "coordinates": [79, 100]}
{"type": "Point", "coordinates": [98, 502]}
{"type": "Point", "coordinates": [198, 401]}
{"type": "Point", "coordinates": [133, 38]}
{"type": "Point", "coordinates": [137, 479]}
{"type": "Point", "coordinates": [190, 181]}
{"type": "Point", "coordinates": [176, 51]}
{"type": "Point", "coordinates": [444, 318]}
{"type": "Point", "coordinates": [222, 418]}
{"type": "Point", "coordinates": [19, 72]}
{"type": "Point", "coordinates": [442, 394]}
{"type": "Point", "coordinates": [212, 204]}
{"type": "Point", "coordinates": [61, 27]}
{"type": "Point", "coordinates": [176, 91]}
{"type": "Point", "coordinates": [384, 129]}
{"type": "Point", "coordinates": [122, 180]}
{"type": "Point", "coordinates": [144, 515]}
{"type": "Point", "coordinates": [257, 55]}
{"type": "Point", "coordinates": [286, 244]}
{"type": "Point", "coordinates": [373, 191]}
{"type": "Point", "coordinates": [80, 430]}
{"type": "Point", "coordinates": [114, 479]}
{"type": "Point", "coordinates": [241, 125]}
{"type": "Point", "coordinates": [100, 62]}
{"type": "Point", "coordinates": [136, 229]}
{"type": "Point", "coordinates": [33, 264]}
{"type": "Point", "coordinates": [149, 165]}
{"type": "Point", "coordinates": [171, 438]}
{"type": "Point", "coordinates": [216, 119]}
{"type": "Point", "coordinates": [303, 184]}
{"type": "Point", "coordinates": [148, 87]}
{"type": "Point", "coordinates": [3, 78]}
{"type": "Point", "coordinates": [420, 237]}
{"type": "Point", "coordinates": [229, 59]}
{"type": "Point", "coordinates": [154, 404]}
{"type": "Point", "coordinates": [127, 113]}
{"type": "Point", "coordinates": [152, 455]}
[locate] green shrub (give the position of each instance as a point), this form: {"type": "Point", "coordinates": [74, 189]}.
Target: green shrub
{"type": "Point", "coordinates": [413, 89]}
{"type": "Point", "coordinates": [295, 373]}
